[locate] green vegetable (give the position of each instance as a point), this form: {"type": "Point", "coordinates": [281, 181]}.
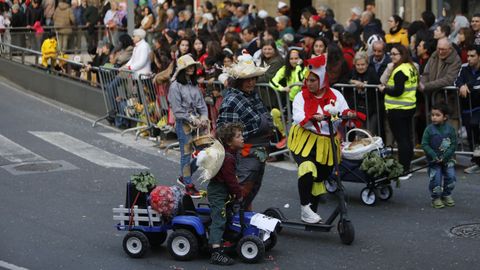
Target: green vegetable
{"type": "Point", "coordinates": [376, 166]}
{"type": "Point", "coordinates": [143, 181]}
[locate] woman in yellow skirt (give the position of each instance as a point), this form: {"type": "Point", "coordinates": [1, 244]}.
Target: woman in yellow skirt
{"type": "Point", "coordinates": [309, 139]}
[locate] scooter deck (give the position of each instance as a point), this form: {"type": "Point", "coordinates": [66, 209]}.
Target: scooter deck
{"type": "Point", "coordinates": [300, 225]}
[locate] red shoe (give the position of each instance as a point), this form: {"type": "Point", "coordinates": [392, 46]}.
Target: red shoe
{"type": "Point", "coordinates": [282, 143]}
{"type": "Point", "coordinates": [192, 191]}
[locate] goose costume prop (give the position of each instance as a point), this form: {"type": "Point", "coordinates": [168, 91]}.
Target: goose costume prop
{"type": "Point", "coordinates": [210, 160]}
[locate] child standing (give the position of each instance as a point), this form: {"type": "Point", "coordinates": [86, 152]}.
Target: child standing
{"type": "Point", "coordinates": [439, 142]}
{"type": "Point", "coordinates": [223, 185]}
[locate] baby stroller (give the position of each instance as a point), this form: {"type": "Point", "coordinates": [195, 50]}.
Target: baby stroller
{"type": "Point", "coordinates": [352, 158]}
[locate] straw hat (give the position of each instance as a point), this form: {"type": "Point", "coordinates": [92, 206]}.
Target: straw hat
{"type": "Point", "coordinates": [184, 62]}
{"type": "Point", "coordinates": [245, 68]}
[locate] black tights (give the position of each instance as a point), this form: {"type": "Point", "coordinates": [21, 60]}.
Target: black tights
{"type": "Point", "coordinates": [305, 184]}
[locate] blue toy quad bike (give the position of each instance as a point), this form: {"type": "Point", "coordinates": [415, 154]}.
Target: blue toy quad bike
{"type": "Point", "coordinates": [251, 233]}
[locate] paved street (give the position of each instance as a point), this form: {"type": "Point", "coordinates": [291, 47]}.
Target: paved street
{"type": "Point", "coordinates": [61, 218]}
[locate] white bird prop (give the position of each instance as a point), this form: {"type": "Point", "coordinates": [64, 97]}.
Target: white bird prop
{"type": "Point", "coordinates": [244, 57]}
{"type": "Point", "coordinates": [210, 160]}
{"type": "Point", "coordinates": [332, 109]}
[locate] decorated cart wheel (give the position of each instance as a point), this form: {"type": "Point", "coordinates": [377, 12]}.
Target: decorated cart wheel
{"type": "Point", "coordinates": [368, 196]}
{"type": "Point", "coordinates": [385, 192]}
{"type": "Point", "coordinates": [135, 244]}
{"type": "Point", "coordinates": [251, 249]}
{"type": "Point", "coordinates": [182, 245]}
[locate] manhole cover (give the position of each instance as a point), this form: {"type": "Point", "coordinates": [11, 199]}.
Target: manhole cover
{"type": "Point", "coordinates": [467, 230]}
{"type": "Point", "coordinates": [38, 167]}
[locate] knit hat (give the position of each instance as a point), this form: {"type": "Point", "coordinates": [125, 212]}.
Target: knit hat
{"type": "Point", "coordinates": [262, 14]}
{"type": "Point", "coordinates": [356, 10]}
{"type": "Point", "coordinates": [281, 5]}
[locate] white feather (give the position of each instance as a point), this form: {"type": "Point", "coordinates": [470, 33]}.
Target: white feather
{"type": "Point", "coordinates": [210, 160]}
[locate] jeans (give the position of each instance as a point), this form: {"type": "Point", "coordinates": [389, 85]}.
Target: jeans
{"type": "Point", "coordinates": [184, 136]}
{"type": "Point", "coordinates": [438, 171]}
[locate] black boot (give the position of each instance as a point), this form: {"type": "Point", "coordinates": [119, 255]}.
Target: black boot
{"type": "Point", "coordinates": [220, 257]}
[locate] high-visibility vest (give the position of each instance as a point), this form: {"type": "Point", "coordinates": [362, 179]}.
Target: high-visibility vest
{"type": "Point", "coordinates": [407, 100]}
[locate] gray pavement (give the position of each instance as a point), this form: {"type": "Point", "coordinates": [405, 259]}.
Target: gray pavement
{"type": "Point", "coordinates": [63, 219]}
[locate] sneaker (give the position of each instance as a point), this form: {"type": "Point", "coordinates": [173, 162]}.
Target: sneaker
{"type": "Point", "coordinates": [282, 143]}
{"type": "Point", "coordinates": [220, 258]}
{"type": "Point", "coordinates": [308, 215]}
{"type": "Point", "coordinates": [405, 177]}
{"type": "Point", "coordinates": [448, 201]}
{"type": "Point", "coordinates": [181, 182]}
{"type": "Point", "coordinates": [437, 203]}
{"type": "Point", "coordinates": [192, 191]}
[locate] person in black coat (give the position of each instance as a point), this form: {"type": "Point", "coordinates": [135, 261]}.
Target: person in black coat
{"type": "Point", "coordinates": [367, 100]}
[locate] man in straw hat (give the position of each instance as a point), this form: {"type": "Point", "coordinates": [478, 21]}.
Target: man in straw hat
{"type": "Point", "coordinates": [242, 104]}
{"type": "Point", "coordinates": [190, 112]}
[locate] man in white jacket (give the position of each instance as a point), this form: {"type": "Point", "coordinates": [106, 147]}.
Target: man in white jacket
{"type": "Point", "coordinates": [139, 63]}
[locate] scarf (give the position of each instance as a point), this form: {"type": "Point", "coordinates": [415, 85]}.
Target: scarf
{"type": "Point", "coordinates": [312, 103]}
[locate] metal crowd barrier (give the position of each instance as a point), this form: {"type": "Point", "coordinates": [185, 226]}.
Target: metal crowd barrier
{"type": "Point", "coordinates": [449, 95]}
{"type": "Point", "coordinates": [129, 101]}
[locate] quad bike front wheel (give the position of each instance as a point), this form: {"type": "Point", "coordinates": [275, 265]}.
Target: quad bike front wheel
{"type": "Point", "coordinates": [182, 245]}
{"type": "Point", "coordinates": [251, 249]}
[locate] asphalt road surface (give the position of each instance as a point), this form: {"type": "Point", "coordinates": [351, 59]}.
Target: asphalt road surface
{"type": "Point", "coordinates": [60, 179]}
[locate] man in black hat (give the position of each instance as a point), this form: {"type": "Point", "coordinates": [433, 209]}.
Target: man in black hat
{"type": "Point", "coordinates": [308, 40]}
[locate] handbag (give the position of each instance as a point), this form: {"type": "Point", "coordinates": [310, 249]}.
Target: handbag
{"type": "Point", "coordinates": [357, 149]}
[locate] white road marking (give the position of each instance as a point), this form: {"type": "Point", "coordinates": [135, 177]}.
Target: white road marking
{"type": "Point", "coordinates": [16, 153]}
{"type": "Point", "coordinates": [142, 145]}
{"type": "Point", "coordinates": [10, 266]}
{"type": "Point", "coordinates": [86, 151]}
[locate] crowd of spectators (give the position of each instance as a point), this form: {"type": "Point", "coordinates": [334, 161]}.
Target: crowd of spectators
{"type": "Point", "coordinates": [215, 35]}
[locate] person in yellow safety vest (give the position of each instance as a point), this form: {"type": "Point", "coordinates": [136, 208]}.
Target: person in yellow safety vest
{"type": "Point", "coordinates": [49, 49]}
{"type": "Point", "coordinates": [292, 72]}
{"type": "Point", "coordinates": [400, 103]}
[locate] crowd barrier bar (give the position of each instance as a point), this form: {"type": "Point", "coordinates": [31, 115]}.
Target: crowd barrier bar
{"type": "Point", "coordinates": [21, 55]}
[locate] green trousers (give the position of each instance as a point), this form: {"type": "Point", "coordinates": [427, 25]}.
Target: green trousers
{"type": "Point", "coordinates": [217, 195]}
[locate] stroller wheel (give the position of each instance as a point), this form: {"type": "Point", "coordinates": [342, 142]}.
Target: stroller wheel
{"type": "Point", "coordinates": [385, 192]}
{"type": "Point", "coordinates": [368, 196]}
